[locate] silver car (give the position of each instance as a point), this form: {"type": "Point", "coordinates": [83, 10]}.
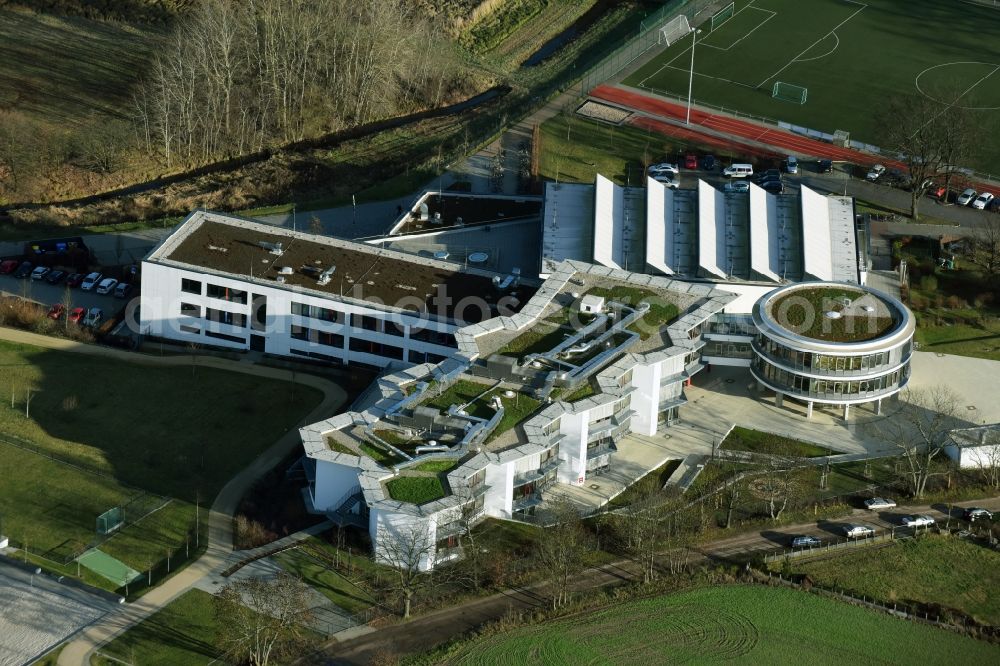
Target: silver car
{"type": "Point", "coordinates": [917, 521]}
{"type": "Point", "coordinates": [877, 503]}
{"type": "Point", "coordinates": [966, 197]}
{"type": "Point", "coordinates": [858, 531]}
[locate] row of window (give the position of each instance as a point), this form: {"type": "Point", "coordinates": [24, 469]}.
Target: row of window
{"type": "Point", "coordinates": [829, 388]}
{"type": "Point", "coordinates": [732, 325]}
{"type": "Point", "coordinates": [229, 294]}
{"type": "Point", "coordinates": [318, 337]}
{"type": "Point", "coordinates": [825, 362]}
{"type": "Point", "coordinates": [727, 349]}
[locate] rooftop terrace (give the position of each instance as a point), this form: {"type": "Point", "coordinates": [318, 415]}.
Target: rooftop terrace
{"type": "Point", "coordinates": [234, 246]}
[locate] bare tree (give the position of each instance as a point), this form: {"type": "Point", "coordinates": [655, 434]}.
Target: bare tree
{"type": "Point", "coordinates": [262, 620]}
{"type": "Point", "coordinates": [927, 135]}
{"type": "Point", "coordinates": [983, 244]}
{"type": "Point", "coordinates": [409, 550]}
{"type": "Point", "coordinates": [561, 548]}
{"type": "Point", "coordinates": [642, 526]}
{"type": "Point", "coordinates": [918, 430]}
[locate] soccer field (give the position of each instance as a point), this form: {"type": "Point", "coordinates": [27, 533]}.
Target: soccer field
{"type": "Point", "coordinates": [849, 55]}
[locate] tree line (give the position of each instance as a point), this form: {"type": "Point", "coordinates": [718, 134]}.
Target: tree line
{"type": "Point", "coordinates": [236, 77]}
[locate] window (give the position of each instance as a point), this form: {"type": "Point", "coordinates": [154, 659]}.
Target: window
{"type": "Point", "coordinates": [300, 333]}
{"type": "Point", "coordinates": [315, 312]}
{"type": "Point", "coordinates": [331, 339]}
{"type": "Point", "coordinates": [392, 328]}
{"type": "Point", "coordinates": [223, 336]}
{"type": "Point", "coordinates": [226, 294]}
{"type": "Point", "coordinates": [190, 329]}
{"type": "Point", "coordinates": [433, 337]}
{"type": "Point", "coordinates": [190, 286]}
{"type": "Point", "coordinates": [228, 318]}
{"type": "Point", "coordinates": [418, 357]}
{"type": "Point", "coordinates": [366, 322]}
{"type": "Point", "coordinates": [190, 309]}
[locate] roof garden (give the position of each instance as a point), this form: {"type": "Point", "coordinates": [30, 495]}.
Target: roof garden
{"type": "Point", "coordinates": [416, 488]}
{"type": "Point", "coordinates": [661, 311]}
{"type": "Point", "coordinates": [361, 272]}
{"type": "Point", "coordinates": [477, 400]}
{"type": "Point", "coordinates": [832, 313]}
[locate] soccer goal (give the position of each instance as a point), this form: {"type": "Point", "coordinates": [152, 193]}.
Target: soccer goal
{"type": "Point", "coordinates": [723, 15]}
{"type": "Point", "coordinates": [789, 92]}
{"type": "Point", "coordinates": [673, 30]}
{"type": "Point", "coordinates": [110, 520]}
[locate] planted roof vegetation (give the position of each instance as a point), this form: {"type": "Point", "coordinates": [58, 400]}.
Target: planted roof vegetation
{"type": "Point", "coordinates": [661, 312]}
{"type": "Point", "coordinates": [804, 312]}
{"type": "Point", "coordinates": [415, 489]}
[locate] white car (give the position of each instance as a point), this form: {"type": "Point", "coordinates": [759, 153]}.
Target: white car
{"type": "Point", "coordinates": [736, 186]}
{"type": "Point", "coordinates": [858, 531]}
{"type": "Point", "coordinates": [39, 273]}
{"type": "Point", "coordinates": [877, 503]}
{"type": "Point", "coordinates": [917, 521]}
{"type": "Point", "coordinates": [107, 285]}
{"type": "Point", "coordinates": [667, 179]}
{"type": "Point", "coordinates": [875, 173]}
{"type": "Point", "coordinates": [792, 164]}
{"type": "Point", "coordinates": [966, 197]}
{"type": "Point", "coordinates": [981, 202]}
{"type": "Point", "coordinates": [90, 281]}
{"type": "Point", "coordinates": [663, 167]}
{"type": "Point", "coordinates": [93, 317]}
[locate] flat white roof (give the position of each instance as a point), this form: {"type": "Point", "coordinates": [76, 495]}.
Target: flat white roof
{"type": "Point", "coordinates": [764, 254]}
{"type": "Point", "coordinates": [829, 248]}
{"type": "Point", "coordinates": [711, 230]}
{"type": "Point", "coordinates": [619, 217]}
{"type": "Point", "coordinates": [659, 226]}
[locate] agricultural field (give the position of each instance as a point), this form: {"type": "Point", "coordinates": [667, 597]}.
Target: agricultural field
{"type": "Point", "coordinates": [934, 569]}
{"type": "Point", "coordinates": [759, 625]}
{"type": "Point", "coordinates": [849, 55]}
{"type": "Point", "coordinates": [98, 435]}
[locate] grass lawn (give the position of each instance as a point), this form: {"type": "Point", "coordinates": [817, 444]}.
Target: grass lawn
{"type": "Point", "coordinates": [105, 421]}
{"type": "Point", "coordinates": [515, 410]}
{"type": "Point", "coordinates": [649, 484]}
{"type": "Point", "coordinates": [744, 439]}
{"type": "Point", "coordinates": [378, 455]}
{"type": "Point", "coordinates": [660, 313]}
{"type": "Point", "coordinates": [538, 340]}
{"type": "Point", "coordinates": [436, 466]}
{"type": "Point", "coordinates": [584, 391]}
{"type": "Point", "coordinates": [825, 46]}
{"type": "Point", "coordinates": [460, 393]}
{"type": "Point", "coordinates": [415, 489]}
{"type": "Point", "coordinates": [184, 632]}
{"type": "Point", "coordinates": [937, 569]}
{"type": "Point", "coordinates": [758, 625]}
{"type": "Point", "coordinates": [803, 312]}
{"type": "Point", "coordinates": [322, 578]}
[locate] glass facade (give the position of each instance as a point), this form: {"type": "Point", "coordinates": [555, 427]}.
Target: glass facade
{"type": "Point", "coordinates": [828, 364]}
{"type": "Point", "coordinates": [830, 389]}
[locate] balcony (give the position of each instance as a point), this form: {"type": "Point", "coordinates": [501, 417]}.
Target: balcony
{"type": "Point", "coordinates": [450, 529]}
{"type": "Point", "coordinates": [602, 449]}
{"type": "Point", "coordinates": [536, 474]}
{"type": "Point", "coordinates": [526, 501]}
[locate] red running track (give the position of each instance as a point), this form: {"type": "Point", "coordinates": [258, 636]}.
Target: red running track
{"type": "Point", "coordinates": [782, 141]}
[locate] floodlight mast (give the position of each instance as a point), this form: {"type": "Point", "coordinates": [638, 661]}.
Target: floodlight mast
{"type": "Point", "coordinates": [694, 39]}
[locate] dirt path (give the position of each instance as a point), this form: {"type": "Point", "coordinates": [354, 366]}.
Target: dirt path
{"type": "Point", "coordinates": [427, 631]}
{"type": "Point", "coordinates": [220, 538]}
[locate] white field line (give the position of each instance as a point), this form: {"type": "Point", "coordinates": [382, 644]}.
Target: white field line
{"type": "Point", "coordinates": [772, 15]}
{"type": "Point", "coordinates": [717, 78]}
{"type": "Point", "coordinates": [835, 47]}
{"type": "Point", "coordinates": [642, 84]}
{"type": "Point", "coordinates": [806, 50]}
{"type": "Point", "coordinates": [956, 100]}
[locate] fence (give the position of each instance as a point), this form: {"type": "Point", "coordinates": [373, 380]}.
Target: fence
{"type": "Point", "coordinates": [846, 544]}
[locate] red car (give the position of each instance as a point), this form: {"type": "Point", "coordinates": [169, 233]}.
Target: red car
{"type": "Point", "coordinates": [936, 191]}
{"type": "Point", "coordinates": [76, 315]}
{"type": "Point", "coordinates": [74, 280]}
{"type": "Point", "coordinates": [7, 267]}
{"type": "Point", "coordinates": [57, 311]}
{"type": "Point", "coordinates": [690, 161]}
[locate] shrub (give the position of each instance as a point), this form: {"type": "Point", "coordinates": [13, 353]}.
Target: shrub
{"type": "Point", "coordinates": [249, 533]}
{"type": "Point", "coordinates": [956, 303]}
{"type": "Point", "coordinates": [929, 283]}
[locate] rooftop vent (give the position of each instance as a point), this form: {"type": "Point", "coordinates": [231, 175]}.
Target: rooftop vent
{"type": "Point", "coordinates": [274, 248]}
{"type": "Point", "coordinates": [286, 270]}
{"type": "Point", "coordinates": [324, 277]}
{"type": "Point", "coordinates": [216, 248]}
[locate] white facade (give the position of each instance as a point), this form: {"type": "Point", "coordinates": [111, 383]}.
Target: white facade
{"type": "Point", "coordinates": [975, 448]}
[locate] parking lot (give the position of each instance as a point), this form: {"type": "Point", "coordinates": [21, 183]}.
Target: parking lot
{"type": "Point", "coordinates": [49, 294]}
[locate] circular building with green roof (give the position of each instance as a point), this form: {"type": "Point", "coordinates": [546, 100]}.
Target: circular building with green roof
{"type": "Point", "coordinates": [831, 343]}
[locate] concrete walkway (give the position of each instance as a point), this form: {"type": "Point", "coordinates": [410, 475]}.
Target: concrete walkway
{"type": "Point", "coordinates": [220, 520]}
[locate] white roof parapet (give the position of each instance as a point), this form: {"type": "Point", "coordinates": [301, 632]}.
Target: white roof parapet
{"type": "Point", "coordinates": [764, 235]}
{"type": "Point", "coordinates": [609, 204]}
{"type": "Point", "coordinates": [711, 229]}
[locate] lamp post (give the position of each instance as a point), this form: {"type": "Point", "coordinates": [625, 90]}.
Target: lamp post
{"type": "Point", "coordinates": [694, 40]}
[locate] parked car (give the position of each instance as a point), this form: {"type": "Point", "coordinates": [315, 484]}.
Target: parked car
{"type": "Point", "coordinates": [773, 187]}
{"type": "Point", "coordinates": [107, 285]}
{"type": "Point", "coordinates": [74, 279]}
{"type": "Point", "coordinates": [123, 290]}
{"type": "Point", "coordinates": [40, 272]}
{"type": "Point", "coordinates": [690, 161]}
{"type": "Point", "coordinates": [667, 179]}
{"type": "Point", "coordinates": [917, 521]}
{"type": "Point", "coordinates": [974, 513]}
{"type": "Point", "coordinates": [966, 197]}
{"type": "Point", "coordinates": [806, 542]}
{"type": "Point", "coordinates": [57, 311]}
{"type": "Point", "coordinates": [858, 531]}
{"type": "Point", "coordinates": [708, 163]}
{"type": "Point", "coordinates": [982, 201]}
{"type": "Point", "coordinates": [877, 503]}
{"type": "Point", "coordinates": [875, 173]}
{"type": "Point", "coordinates": [824, 166]}
{"type": "Point", "coordinates": [93, 317]}
{"type": "Point", "coordinates": [8, 267]}
{"type": "Point", "coordinates": [90, 281]}
{"type": "Point", "coordinates": [663, 167]}
{"type": "Point", "coordinates": [55, 277]}
{"type": "Point", "coordinates": [792, 164]}
{"type": "Point", "coordinates": [936, 191]}
{"type": "Point", "coordinates": [24, 270]}
{"type": "Point", "coordinates": [76, 315]}
{"type": "Point", "coordinates": [770, 174]}
{"type": "Point", "coordinates": [736, 186]}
